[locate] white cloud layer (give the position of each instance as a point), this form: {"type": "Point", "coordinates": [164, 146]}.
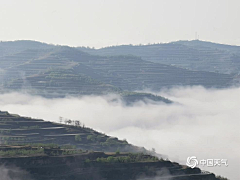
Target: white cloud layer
{"type": "Point", "coordinates": [203, 123]}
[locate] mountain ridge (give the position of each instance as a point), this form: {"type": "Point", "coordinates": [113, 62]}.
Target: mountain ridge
{"type": "Point", "coordinates": [193, 55]}
{"type": "Point", "coordinates": [33, 69]}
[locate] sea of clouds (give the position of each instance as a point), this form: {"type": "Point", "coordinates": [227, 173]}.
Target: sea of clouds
{"type": "Point", "coordinates": [202, 122]}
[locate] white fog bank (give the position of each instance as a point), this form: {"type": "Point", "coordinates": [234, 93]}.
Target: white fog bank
{"type": "Point", "coordinates": [203, 123]}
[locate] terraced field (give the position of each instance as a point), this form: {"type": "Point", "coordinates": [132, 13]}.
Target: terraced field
{"type": "Point", "coordinates": [16, 130]}
{"type": "Point", "coordinates": [193, 55]}
{"type": "Point", "coordinates": [57, 71]}
{"type": "Point", "coordinates": [37, 149]}
{"type": "Point", "coordinates": [132, 73]}
{"type": "Point", "coordinates": [102, 166]}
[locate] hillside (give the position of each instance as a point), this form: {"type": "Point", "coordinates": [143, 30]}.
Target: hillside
{"type": "Point", "coordinates": [98, 166]}
{"type": "Point", "coordinates": [193, 55]}
{"type": "Point", "coordinates": [55, 72]}
{"type": "Point", "coordinates": [37, 149]}
{"type": "Point", "coordinates": [15, 129]}
{"type": "Point", "coordinates": [82, 74]}
{"type": "Point", "coordinates": [12, 47]}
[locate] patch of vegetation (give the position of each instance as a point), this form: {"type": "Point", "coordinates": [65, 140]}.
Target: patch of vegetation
{"type": "Point", "coordinates": [117, 152]}
{"type": "Point", "coordinates": [40, 145]}
{"type": "Point", "coordinates": [7, 138]}
{"type": "Point", "coordinates": [87, 161]}
{"type": "Point", "coordinates": [138, 157]}
{"type": "Point", "coordinates": [22, 152]}
{"type": "Point", "coordinates": [5, 131]}
{"type": "Point", "coordinates": [71, 152]}
{"type": "Point", "coordinates": [113, 142]}
{"type": "Point", "coordinates": [221, 178]}
{"type": "Point", "coordinates": [29, 127]}
{"type": "Point", "coordinates": [68, 147]}
{"type": "Point", "coordinates": [78, 138]}
{"type": "Point", "coordinates": [92, 138]}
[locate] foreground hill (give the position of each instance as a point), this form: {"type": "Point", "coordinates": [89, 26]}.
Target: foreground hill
{"type": "Point", "coordinates": [95, 166]}
{"type": "Point", "coordinates": [15, 129]}
{"type": "Point", "coordinates": [36, 149]}
{"type": "Point", "coordinates": [193, 55]}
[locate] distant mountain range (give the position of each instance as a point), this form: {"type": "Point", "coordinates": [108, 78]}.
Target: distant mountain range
{"type": "Point", "coordinates": [193, 55]}
{"type": "Point", "coordinates": [57, 71]}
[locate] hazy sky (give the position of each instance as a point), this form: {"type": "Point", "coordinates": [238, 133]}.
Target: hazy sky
{"type": "Point", "coordinates": [109, 22]}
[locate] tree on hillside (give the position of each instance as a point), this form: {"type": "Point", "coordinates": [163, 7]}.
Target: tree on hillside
{"type": "Point", "coordinates": [78, 138]}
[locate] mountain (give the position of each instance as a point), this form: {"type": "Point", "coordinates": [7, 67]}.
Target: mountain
{"type": "Point", "coordinates": [17, 130]}
{"type": "Point", "coordinates": [57, 72]}
{"type": "Point", "coordinates": [193, 55]}
{"type": "Point", "coordinates": [199, 44]}
{"type": "Point", "coordinates": [36, 149]}
{"type": "Point", "coordinates": [11, 47]}
{"type": "Point", "coordinates": [53, 71]}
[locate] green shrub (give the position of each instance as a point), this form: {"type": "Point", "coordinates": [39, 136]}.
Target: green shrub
{"type": "Point", "coordinates": [91, 138]}
{"type": "Point", "coordinates": [21, 152]}
{"type": "Point", "coordinates": [117, 152]}
{"type": "Point", "coordinates": [78, 138]}
{"type": "Point", "coordinates": [68, 147]}
{"type": "Point", "coordinates": [29, 127]}
{"type": "Point", "coordinates": [87, 161]}
{"type": "Point", "coordinates": [110, 159]}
